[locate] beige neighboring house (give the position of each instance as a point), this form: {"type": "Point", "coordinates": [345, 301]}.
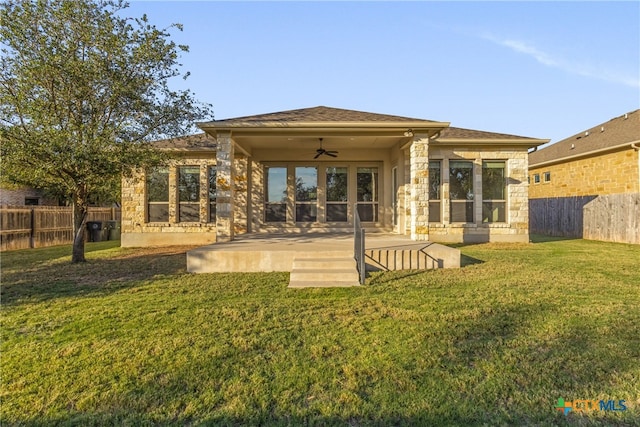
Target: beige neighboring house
{"type": "Point", "coordinates": [597, 161]}
{"type": "Point", "coordinates": [310, 170]}
{"type": "Point", "coordinates": [588, 185]}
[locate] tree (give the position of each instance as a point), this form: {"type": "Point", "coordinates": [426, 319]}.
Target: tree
{"type": "Point", "coordinates": [83, 91]}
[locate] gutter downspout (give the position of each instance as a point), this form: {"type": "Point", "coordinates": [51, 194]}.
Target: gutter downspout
{"type": "Point", "coordinates": [635, 147]}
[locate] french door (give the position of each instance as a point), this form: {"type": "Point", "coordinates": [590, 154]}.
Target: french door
{"type": "Point", "coordinates": [320, 193]}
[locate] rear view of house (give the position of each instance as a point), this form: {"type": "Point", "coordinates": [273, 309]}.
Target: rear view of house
{"type": "Point", "coordinates": [311, 170]}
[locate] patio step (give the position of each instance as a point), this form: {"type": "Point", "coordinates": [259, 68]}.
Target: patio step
{"type": "Point", "coordinates": [323, 272]}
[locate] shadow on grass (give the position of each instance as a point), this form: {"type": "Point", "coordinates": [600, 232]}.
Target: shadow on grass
{"type": "Point", "coordinates": [541, 238]}
{"type": "Point", "coordinates": [28, 282]}
{"type": "Point", "coordinates": [381, 277]}
{"type": "Point", "coordinates": [466, 260]}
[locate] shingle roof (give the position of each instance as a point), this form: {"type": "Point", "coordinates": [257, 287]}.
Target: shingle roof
{"type": "Point", "coordinates": [316, 114]}
{"type": "Point", "coordinates": [617, 131]}
{"type": "Point", "coordinates": [190, 142]}
{"type": "Point", "coordinates": [454, 133]}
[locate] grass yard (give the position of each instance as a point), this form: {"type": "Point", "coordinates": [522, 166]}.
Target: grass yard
{"type": "Point", "coordinates": [130, 338]}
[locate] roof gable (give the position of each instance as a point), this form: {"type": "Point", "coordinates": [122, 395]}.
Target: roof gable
{"type": "Point", "coordinates": [615, 132]}
{"type": "Point", "coordinates": [319, 114]}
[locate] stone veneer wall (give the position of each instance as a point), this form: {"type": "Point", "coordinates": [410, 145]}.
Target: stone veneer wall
{"type": "Point", "coordinates": [419, 202]}
{"type": "Point", "coordinates": [137, 232]}
{"type": "Point", "coordinates": [611, 173]}
{"type": "Point", "coordinates": [516, 228]}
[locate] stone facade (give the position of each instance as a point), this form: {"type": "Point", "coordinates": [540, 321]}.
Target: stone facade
{"type": "Point", "coordinates": [516, 226]}
{"type": "Point", "coordinates": [226, 178]}
{"type": "Point", "coordinates": [610, 173]}
{"type": "Point", "coordinates": [137, 231]}
{"type": "Point", "coordinates": [385, 163]}
{"type": "Point", "coordinates": [245, 197]}
{"type": "Point", "coordinates": [419, 202]}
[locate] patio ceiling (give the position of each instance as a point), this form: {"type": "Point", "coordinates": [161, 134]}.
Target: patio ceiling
{"type": "Point", "coordinates": [295, 142]}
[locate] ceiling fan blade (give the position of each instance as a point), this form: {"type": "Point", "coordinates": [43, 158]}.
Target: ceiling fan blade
{"type": "Point", "coordinates": [317, 155]}
{"type": "Point", "coordinates": [330, 153]}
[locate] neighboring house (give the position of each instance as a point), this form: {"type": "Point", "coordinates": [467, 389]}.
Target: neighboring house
{"type": "Point", "coordinates": [598, 166]}
{"type": "Point", "coordinates": [22, 196]}
{"type": "Point", "coordinates": [310, 170]}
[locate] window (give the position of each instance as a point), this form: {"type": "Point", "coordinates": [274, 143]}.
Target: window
{"type": "Point", "coordinates": [367, 194]}
{"type": "Point", "coordinates": [547, 177]}
{"type": "Point", "coordinates": [212, 193]}
{"type": "Point", "coordinates": [306, 194]}
{"type": "Point", "coordinates": [435, 204]}
{"type": "Point", "coordinates": [31, 201]}
{"type": "Point", "coordinates": [275, 206]}
{"type": "Point", "coordinates": [536, 178]}
{"type": "Point", "coordinates": [158, 195]}
{"type": "Point", "coordinates": [189, 193]}
{"type": "Point", "coordinates": [493, 191]}
{"type": "Point", "coordinates": [461, 191]}
{"type": "Point", "coordinates": [337, 196]}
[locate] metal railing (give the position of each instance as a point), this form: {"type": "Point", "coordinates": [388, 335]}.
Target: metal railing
{"type": "Point", "coordinates": [358, 244]}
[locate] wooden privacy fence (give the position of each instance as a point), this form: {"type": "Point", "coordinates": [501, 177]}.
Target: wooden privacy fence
{"type": "Point", "coordinates": [557, 216]}
{"type": "Point", "coordinates": [612, 218]}
{"type": "Point", "coordinates": [40, 226]}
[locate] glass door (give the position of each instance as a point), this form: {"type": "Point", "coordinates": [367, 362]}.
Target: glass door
{"type": "Point", "coordinates": [275, 204]}
{"type": "Point", "coordinates": [306, 193]}
{"type": "Point", "coordinates": [367, 194]}
{"type": "Point", "coordinates": [336, 207]}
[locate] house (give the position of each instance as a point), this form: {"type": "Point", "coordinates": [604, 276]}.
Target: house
{"type": "Point", "coordinates": [596, 171]}
{"type": "Point", "coordinates": [311, 170]}
{"type": "Point", "coordinates": [13, 195]}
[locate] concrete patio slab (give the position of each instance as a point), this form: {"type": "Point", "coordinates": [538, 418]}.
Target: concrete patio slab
{"type": "Point", "coordinates": [276, 252]}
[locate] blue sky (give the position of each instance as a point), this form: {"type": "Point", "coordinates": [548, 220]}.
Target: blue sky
{"type": "Point", "coordinates": [539, 69]}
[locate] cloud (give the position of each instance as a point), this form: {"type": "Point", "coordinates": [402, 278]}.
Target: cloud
{"type": "Point", "coordinates": [572, 67]}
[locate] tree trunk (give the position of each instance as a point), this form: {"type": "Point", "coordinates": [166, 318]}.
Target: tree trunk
{"type": "Point", "coordinates": [80, 210]}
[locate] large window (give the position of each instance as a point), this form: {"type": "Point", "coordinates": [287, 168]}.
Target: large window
{"type": "Point", "coordinates": [158, 195]}
{"type": "Point", "coordinates": [212, 176]}
{"type": "Point", "coordinates": [367, 194]}
{"type": "Point", "coordinates": [337, 196]}
{"type": "Point", "coordinates": [493, 192]}
{"type": "Point", "coordinates": [306, 194]}
{"type": "Point", "coordinates": [275, 207]}
{"type": "Point", "coordinates": [435, 204]}
{"type": "Point", "coordinates": [189, 194]}
{"type": "Point", "coordinates": [461, 191]}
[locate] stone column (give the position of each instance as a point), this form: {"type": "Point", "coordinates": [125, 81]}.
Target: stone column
{"type": "Point", "coordinates": [241, 199]}
{"type": "Point", "coordinates": [419, 167]}
{"type": "Point", "coordinates": [224, 188]}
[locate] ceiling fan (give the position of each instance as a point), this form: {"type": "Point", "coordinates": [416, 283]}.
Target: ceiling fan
{"type": "Point", "coordinates": [320, 151]}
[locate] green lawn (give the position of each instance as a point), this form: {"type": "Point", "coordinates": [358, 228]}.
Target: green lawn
{"type": "Point", "coordinates": [130, 338]}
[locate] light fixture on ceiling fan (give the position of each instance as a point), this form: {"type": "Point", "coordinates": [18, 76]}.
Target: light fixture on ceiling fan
{"type": "Point", "coordinates": [320, 151]}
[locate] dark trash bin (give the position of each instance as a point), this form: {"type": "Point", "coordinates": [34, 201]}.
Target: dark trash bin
{"type": "Point", "coordinates": [95, 231]}
{"type": "Point", "coordinates": [112, 230]}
